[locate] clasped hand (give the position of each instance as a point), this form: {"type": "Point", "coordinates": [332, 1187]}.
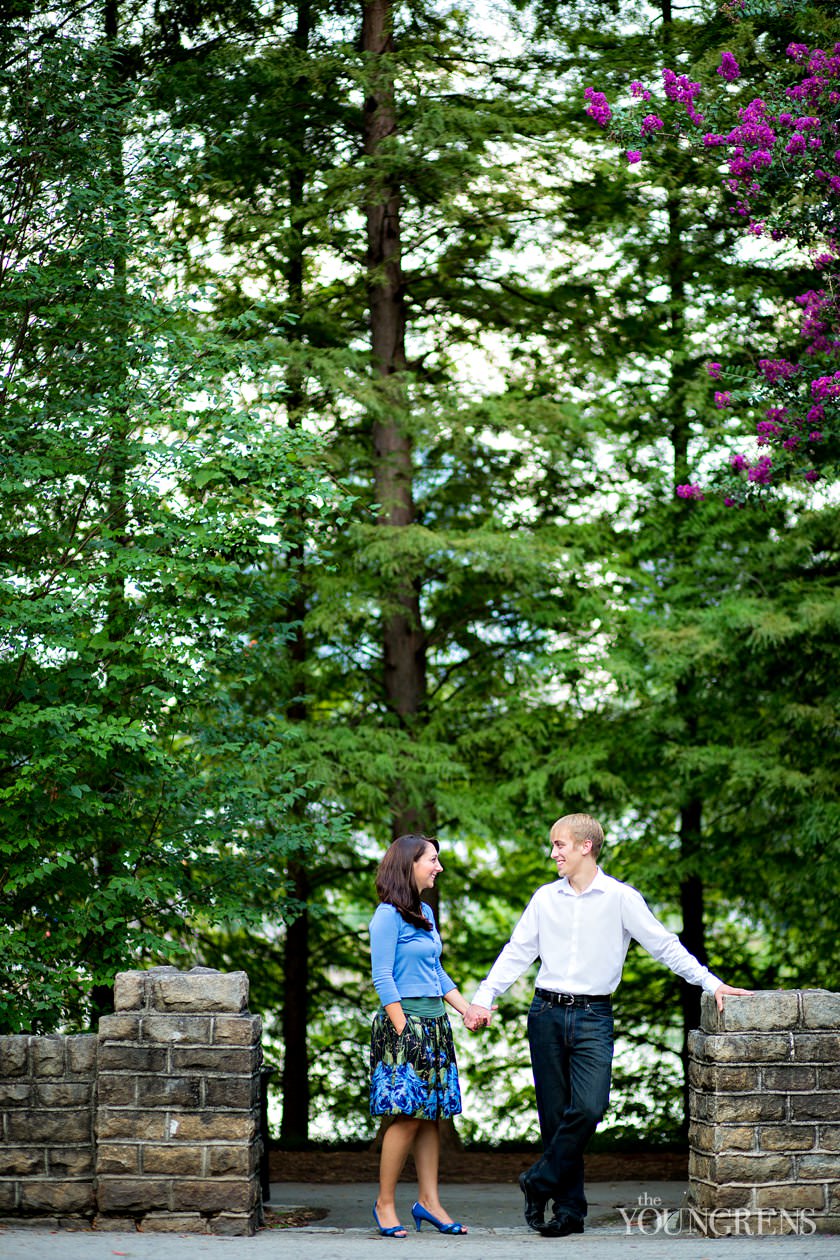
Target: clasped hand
{"type": "Point", "coordinates": [477, 1016]}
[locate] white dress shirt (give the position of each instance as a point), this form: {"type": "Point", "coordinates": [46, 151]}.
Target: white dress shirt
{"type": "Point", "coordinates": [582, 941]}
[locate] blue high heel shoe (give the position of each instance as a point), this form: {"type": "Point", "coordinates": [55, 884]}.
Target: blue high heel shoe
{"type": "Point", "coordinates": [420, 1214]}
{"type": "Point", "coordinates": [396, 1231]}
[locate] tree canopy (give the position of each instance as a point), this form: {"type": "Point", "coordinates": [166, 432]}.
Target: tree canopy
{"type": "Point", "coordinates": [383, 391]}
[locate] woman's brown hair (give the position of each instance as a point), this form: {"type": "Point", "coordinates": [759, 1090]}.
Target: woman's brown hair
{"type": "Point", "coordinates": [395, 878]}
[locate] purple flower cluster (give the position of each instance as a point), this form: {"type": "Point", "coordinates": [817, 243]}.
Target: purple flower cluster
{"type": "Point", "coordinates": [826, 387]}
{"type": "Point", "coordinates": [678, 87]}
{"type": "Point", "coordinates": [760, 472]}
{"type": "Point", "coordinates": [729, 68]}
{"type": "Point", "coordinates": [597, 107]}
{"type": "Point", "coordinates": [794, 138]}
{"type": "Point", "coordinates": [777, 369]}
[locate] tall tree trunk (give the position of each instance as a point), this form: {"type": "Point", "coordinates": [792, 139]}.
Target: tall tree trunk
{"type": "Point", "coordinates": [117, 613]}
{"type": "Point", "coordinates": [403, 639]}
{"type": "Point", "coordinates": [294, 1124]}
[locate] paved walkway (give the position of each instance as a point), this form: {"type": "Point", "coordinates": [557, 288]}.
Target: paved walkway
{"type": "Point", "coordinates": [627, 1221]}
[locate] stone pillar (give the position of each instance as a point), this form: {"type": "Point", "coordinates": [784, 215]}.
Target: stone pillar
{"type": "Point", "coordinates": [764, 1082]}
{"type": "Point", "coordinates": [177, 1121]}
{"type": "Point", "coordinates": [46, 1127]}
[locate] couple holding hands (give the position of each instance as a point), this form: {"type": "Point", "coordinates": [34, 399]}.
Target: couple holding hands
{"type": "Point", "coordinates": [580, 926]}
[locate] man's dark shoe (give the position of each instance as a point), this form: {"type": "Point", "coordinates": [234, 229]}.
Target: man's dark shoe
{"type": "Point", "coordinates": [534, 1205]}
{"type": "Point", "coordinates": [560, 1226]}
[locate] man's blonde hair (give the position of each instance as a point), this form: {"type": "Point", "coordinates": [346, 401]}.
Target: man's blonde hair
{"type": "Point", "coordinates": [582, 827]}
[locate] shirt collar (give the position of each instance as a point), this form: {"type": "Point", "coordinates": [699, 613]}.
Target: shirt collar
{"type": "Point", "coordinates": [599, 884]}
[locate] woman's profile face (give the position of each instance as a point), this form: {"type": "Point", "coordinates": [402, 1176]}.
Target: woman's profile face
{"type": "Point", "coordinates": [426, 868]}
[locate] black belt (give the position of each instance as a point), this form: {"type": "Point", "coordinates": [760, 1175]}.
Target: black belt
{"type": "Point", "coordinates": [571, 999]}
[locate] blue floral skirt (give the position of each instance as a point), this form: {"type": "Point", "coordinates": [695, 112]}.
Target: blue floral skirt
{"type": "Point", "coordinates": [413, 1073]}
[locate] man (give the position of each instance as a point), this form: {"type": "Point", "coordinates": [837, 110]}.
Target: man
{"type": "Point", "coordinates": [580, 927]}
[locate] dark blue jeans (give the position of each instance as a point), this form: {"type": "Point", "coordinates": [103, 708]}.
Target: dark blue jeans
{"type": "Point", "coordinates": [571, 1055]}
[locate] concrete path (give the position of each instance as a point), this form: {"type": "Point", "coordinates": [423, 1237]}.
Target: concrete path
{"type": "Point", "coordinates": [627, 1221]}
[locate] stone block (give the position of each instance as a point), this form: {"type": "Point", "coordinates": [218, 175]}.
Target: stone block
{"type": "Point", "coordinates": [173, 1223]}
{"type": "Point", "coordinates": [787, 1137]}
{"type": "Point", "coordinates": [212, 1195]}
{"type": "Point", "coordinates": [766, 1010]}
{"type": "Point", "coordinates": [115, 1224]}
{"type": "Point", "coordinates": [234, 1224]}
{"type": "Point", "coordinates": [742, 1047]}
{"type": "Point", "coordinates": [70, 1161]}
{"type": "Point", "coordinates": [817, 1047]}
{"type": "Point", "coordinates": [820, 1009]}
{"type": "Point", "coordinates": [200, 990]}
{"type": "Point", "coordinates": [57, 1196]}
{"type": "Point", "coordinates": [789, 1077]}
{"type": "Point", "coordinates": [224, 1060]}
{"type": "Point", "coordinates": [177, 1029]}
{"type": "Point", "coordinates": [828, 1076]}
{"type": "Point", "coordinates": [14, 1056]}
{"type": "Point", "coordinates": [16, 1094]}
{"type": "Point", "coordinates": [132, 1058]}
{"type": "Point", "coordinates": [39, 1222]}
{"type": "Point", "coordinates": [133, 1194]}
{"type": "Point", "coordinates": [829, 1137]}
{"type": "Point", "coordinates": [741, 1108]}
{"type": "Point", "coordinates": [827, 1224]}
{"type": "Point", "coordinates": [818, 1168]}
{"type": "Point", "coordinates": [210, 1126]}
{"type": "Point", "coordinates": [115, 1089]}
{"type": "Point", "coordinates": [175, 1159]}
{"type": "Point", "coordinates": [710, 1138]}
{"type": "Point", "coordinates": [121, 1159]}
{"type": "Point", "coordinates": [168, 1091]}
{"type": "Point", "coordinates": [81, 1054]}
{"type": "Point", "coordinates": [815, 1106]}
{"type": "Point", "coordinates": [752, 1169]}
{"type": "Point", "coordinates": [130, 990]}
{"type": "Point", "coordinates": [120, 1028]}
{"type": "Point", "coordinates": [67, 1094]}
{"type": "Point", "coordinates": [142, 1126]}
{"type": "Point", "coordinates": [713, 1077]}
{"type": "Point", "coordinates": [22, 1161]}
{"type": "Point", "coordinates": [232, 1161]}
{"type": "Point", "coordinates": [788, 1197]}
{"type": "Point", "coordinates": [711, 1197]}
{"type": "Point", "coordinates": [240, 1092]}
{"type": "Point", "coordinates": [237, 1030]}
{"type": "Point", "coordinates": [8, 1196]}
{"type": "Point", "coordinates": [48, 1056]}
{"type": "Point", "coordinates": [30, 1127]}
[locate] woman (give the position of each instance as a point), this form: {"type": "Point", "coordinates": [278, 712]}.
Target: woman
{"type": "Point", "coordinates": [412, 1060]}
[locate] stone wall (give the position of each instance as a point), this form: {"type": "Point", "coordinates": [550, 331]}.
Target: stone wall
{"type": "Point", "coordinates": [46, 1126]}
{"type": "Point", "coordinates": [154, 1124]}
{"type": "Point", "coordinates": [764, 1082]}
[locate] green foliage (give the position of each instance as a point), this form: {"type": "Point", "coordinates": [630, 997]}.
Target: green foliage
{"type": "Point", "coordinates": [143, 507]}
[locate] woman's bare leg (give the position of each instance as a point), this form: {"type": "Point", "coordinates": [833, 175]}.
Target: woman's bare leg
{"type": "Point", "coordinates": [427, 1161]}
{"type": "Point", "coordinates": [396, 1143]}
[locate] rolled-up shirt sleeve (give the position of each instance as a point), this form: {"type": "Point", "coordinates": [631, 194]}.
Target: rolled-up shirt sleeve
{"type": "Point", "coordinates": [384, 932]}
{"type": "Point", "coordinates": [516, 957]}
{"type": "Point", "coordinates": [661, 944]}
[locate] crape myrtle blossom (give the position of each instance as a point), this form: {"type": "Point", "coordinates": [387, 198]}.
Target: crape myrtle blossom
{"type": "Point", "coordinates": [729, 68]}
{"type": "Point", "coordinates": [781, 176]}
